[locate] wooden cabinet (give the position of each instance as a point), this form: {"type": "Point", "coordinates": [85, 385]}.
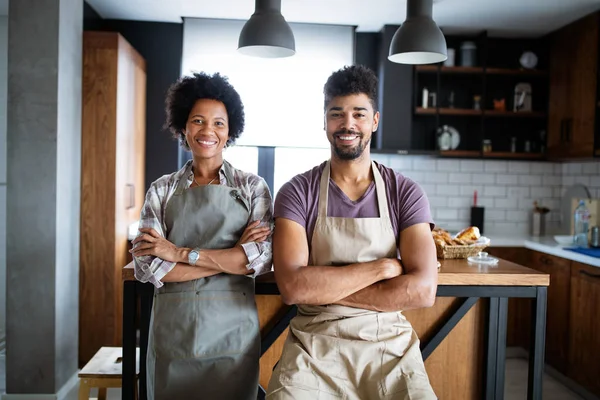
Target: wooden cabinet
{"type": "Point", "coordinates": [112, 181]}
{"type": "Point", "coordinates": [573, 89]}
{"type": "Point", "coordinates": [584, 327]}
{"type": "Point", "coordinates": [557, 319]}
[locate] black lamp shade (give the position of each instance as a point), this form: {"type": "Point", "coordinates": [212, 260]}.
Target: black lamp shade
{"type": "Point", "coordinates": [266, 34]}
{"type": "Point", "coordinates": [418, 40]}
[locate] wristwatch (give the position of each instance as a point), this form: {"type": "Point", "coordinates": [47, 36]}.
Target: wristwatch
{"type": "Point", "coordinates": [193, 256]}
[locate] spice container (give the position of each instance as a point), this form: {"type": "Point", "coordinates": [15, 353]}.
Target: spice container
{"type": "Point", "coordinates": [468, 54]}
{"type": "Point", "coordinates": [487, 146]}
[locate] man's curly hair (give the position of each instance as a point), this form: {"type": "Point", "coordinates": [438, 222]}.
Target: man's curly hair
{"type": "Point", "coordinates": [355, 79]}
{"type": "Point", "coordinates": [184, 93]}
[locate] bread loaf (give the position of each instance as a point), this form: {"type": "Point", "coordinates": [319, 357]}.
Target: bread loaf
{"type": "Point", "coordinates": [470, 234]}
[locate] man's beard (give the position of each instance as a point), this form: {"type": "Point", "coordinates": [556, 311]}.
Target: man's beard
{"type": "Point", "coordinates": [350, 153]}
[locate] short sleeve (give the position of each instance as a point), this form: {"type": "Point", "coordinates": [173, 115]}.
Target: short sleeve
{"type": "Point", "coordinates": [414, 205]}
{"type": "Point", "coordinates": [291, 202]}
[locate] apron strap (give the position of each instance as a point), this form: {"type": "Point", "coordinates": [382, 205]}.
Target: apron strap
{"type": "Point", "coordinates": [183, 181]}
{"type": "Point", "coordinates": [384, 211]}
{"type": "Point", "coordinates": [382, 204]}
{"type": "Point", "coordinates": [323, 191]}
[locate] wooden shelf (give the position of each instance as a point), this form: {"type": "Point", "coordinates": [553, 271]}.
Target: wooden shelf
{"type": "Point", "coordinates": [449, 70]}
{"type": "Point", "coordinates": [447, 111]}
{"type": "Point", "coordinates": [534, 114]}
{"type": "Point", "coordinates": [506, 154]}
{"type": "Point", "coordinates": [460, 153]}
{"type": "Point", "coordinates": [480, 70]}
{"type": "Point", "coordinates": [508, 71]}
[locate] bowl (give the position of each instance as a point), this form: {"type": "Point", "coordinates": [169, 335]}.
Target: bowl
{"type": "Point", "coordinates": [564, 239]}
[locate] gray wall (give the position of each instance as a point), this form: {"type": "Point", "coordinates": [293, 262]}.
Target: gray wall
{"type": "Point", "coordinates": [3, 82]}
{"type": "Point", "coordinates": [42, 206]}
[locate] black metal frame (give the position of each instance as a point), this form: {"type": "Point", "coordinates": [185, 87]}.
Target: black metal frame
{"type": "Point", "coordinates": [495, 332]}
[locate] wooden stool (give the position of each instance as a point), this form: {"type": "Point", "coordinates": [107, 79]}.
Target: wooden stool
{"type": "Point", "coordinates": [104, 371]}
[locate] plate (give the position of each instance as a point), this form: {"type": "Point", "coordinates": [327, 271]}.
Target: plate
{"type": "Point", "coordinates": [448, 138]}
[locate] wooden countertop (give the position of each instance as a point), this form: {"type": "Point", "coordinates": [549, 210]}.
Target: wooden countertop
{"type": "Point", "coordinates": [454, 273]}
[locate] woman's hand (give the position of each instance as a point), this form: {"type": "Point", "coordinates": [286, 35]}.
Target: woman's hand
{"type": "Point", "coordinates": [150, 243]}
{"type": "Point", "coordinates": [254, 233]}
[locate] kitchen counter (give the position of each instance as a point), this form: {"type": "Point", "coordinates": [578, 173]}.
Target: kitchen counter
{"type": "Point", "coordinates": [467, 325]}
{"type": "Point", "coordinates": [544, 244]}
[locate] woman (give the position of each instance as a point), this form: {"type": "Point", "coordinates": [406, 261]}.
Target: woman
{"type": "Point", "coordinates": [204, 235]}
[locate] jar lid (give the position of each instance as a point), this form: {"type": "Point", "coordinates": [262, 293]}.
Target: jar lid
{"type": "Point", "coordinates": [483, 258]}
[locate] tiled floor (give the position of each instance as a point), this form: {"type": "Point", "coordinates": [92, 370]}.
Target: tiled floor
{"type": "Point", "coordinates": [515, 388]}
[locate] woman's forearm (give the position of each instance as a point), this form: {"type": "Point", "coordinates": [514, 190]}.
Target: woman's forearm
{"type": "Point", "coordinates": [230, 261]}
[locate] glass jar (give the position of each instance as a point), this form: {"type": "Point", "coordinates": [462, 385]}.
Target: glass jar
{"type": "Point", "coordinates": [487, 146]}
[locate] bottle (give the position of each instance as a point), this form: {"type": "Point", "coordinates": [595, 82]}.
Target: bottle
{"type": "Point", "coordinates": [582, 221]}
{"type": "Point", "coordinates": [425, 98]}
{"type": "Point", "coordinates": [513, 145]}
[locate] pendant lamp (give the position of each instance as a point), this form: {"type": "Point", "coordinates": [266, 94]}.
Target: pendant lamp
{"type": "Point", "coordinates": [266, 34]}
{"type": "Point", "coordinates": [418, 40]}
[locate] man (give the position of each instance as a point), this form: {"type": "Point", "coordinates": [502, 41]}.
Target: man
{"type": "Point", "coordinates": [338, 231]}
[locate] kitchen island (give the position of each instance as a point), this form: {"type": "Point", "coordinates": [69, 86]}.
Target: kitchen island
{"type": "Point", "coordinates": [463, 336]}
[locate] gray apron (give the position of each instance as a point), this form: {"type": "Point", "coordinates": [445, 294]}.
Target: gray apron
{"type": "Point", "coordinates": [204, 340]}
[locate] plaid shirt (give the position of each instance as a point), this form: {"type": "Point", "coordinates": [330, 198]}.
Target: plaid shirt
{"type": "Point", "coordinates": [253, 188]}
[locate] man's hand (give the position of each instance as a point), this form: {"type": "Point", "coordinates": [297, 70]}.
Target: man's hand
{"type": "Point", "coordinates": [254, 233]}
{"type": "Point", "coordinates": [392, 268]}
{"type": "Point", "coordinates": [150, 243]}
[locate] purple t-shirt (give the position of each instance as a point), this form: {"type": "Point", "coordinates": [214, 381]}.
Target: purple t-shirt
{"type": "Point", "coordinates": [298, 200]}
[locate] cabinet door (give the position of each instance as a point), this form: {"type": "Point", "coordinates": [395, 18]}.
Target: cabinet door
{"type": "Point", "coordinates": [559, 92]}
{"type": "Point", "coordinates": [557, 319]}
{"type": "Point", "coordinates": [584, 327]}
{"type": "Point", "coordinates": [583, 71]}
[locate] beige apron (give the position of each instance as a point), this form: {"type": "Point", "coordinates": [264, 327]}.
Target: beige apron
{"type": "Point", "coordinates": [204, 340]}
{"type": "Point", "coordinates": [338, 352]}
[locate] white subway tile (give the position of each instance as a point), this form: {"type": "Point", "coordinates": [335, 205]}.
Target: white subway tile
{"type": "Point", "coordinates": [517, 216]}
{"type": "Point", "coordinates": [448, 190]}
{"type": "Point", "coordinates": [429, 188]}
{"type": "Point", "coordinates": [595, 181]}
{"type": "Point", "coordinates": [591, 168]}
{"type": "Point", "coordinates": [381, 158]}
{"type": "Point", "coordinates": [459, 202]}
{"type": "Point", "coordinates": [552, 180]}
{"type": "Point", "coordinates": [495, 166]}
{"type": "Point", "coordinates": [552, 204]}
{"type": "Point", "coordinates": [483, 178]}
{"type": "Point", "coordinates": [464, 215]}
{"type": "Point", "coordinates": [438, 201]}
{"type": "Point", "coordinates": [417, 176]}
{"type": "Point", "coordinates": [424, 164]}
{"type": "Point", "coordinates": [530, 180]}
{"type": "Point", "coordinates": [559, 169]}
{"type": "Point", "coordinates": [542, 168]}
{"type": "Point", "coordinates": [495, 215]}
{"type": "Point", "coordinates": [574, 168]}
{"type": "Point", "coordinates": [471, 166]}
{"type": "Point", "coordinates": [507, 179]}
{"type": "Point", "coordinates": [453, 226]}
{"type": "Point", "coordinates": [519, 167]}
{"type": "Point", "coordinates": [447, 214]}
{"type": "Point", "coordinates": [494, 191]}
{"type": "Point", "coordinates": [400, 163]}
{"type": "Point", "coordinates": [448, 165]}
{"type": "Point", "coordinates": [487, 202]}
{"type": "Point", "coordinates": [568, 181]}
{"type": "Point", "coordinates": [509, 202]}
{"type": "Point", "coordinates": [523, 228]}
{"type": "Point", "coordinates": [557, 192]}
{"type": "Point", "coordinates": [502, 228]}
{"type": "Point", "coordinates": [469, 190]}
{"type": "Point", "coordinates": [435, 177]}
{"type": "Point", "coordinates": [459, 178]}
{"type": "Point", "coordinates": [518, 191]}
{"type": "Point", "coordinates": [565, 169]}
{"type": "Point", "coordinates": [525, 203]}
{"type": "Point", "coordinates": [538, 192]}
{"type": "Point", "coordinates": [584, 180]}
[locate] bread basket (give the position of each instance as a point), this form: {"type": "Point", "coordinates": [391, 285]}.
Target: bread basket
{"type": "Point", "coordinates": [446, 251]}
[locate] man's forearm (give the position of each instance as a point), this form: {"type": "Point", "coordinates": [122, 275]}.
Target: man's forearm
{"type": "Point", "coordinates": [319, 285]}
{"type": "Point", "coordinates": [183, 272]}
{"type": "Point", "coordinates": [404, 292]}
